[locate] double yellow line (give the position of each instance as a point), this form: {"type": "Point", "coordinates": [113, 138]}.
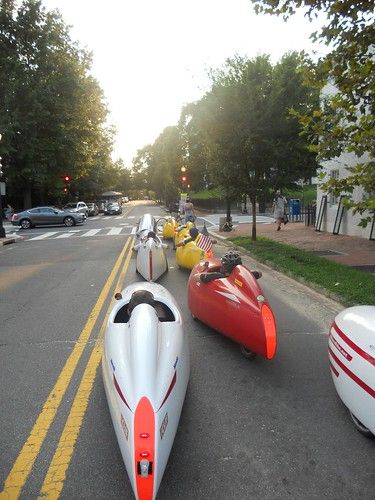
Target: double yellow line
{"type": "Point", "coordinates": [55, 476]}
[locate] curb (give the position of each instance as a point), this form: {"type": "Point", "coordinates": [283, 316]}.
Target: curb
{"type": "Point", "coordinates": [6, 241]}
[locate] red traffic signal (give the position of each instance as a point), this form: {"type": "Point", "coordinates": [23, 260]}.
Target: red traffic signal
{"type": "Point", "coordinates": [184, 178]}
{"type": "Point", "coordinates": [66, 178]}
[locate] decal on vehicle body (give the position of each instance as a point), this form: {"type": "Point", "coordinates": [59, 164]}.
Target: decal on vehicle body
{"type": "Point", "coordinates": [124, 427]}
{"type": "Point", "coordinates": [113, 366]}
{"type": "Point", "coordinates": [229, 296]}
{"type": "Point", "coordinates": [163, 426]}
{"type": "Point", "coordinates": [175, 363]}
{"type": "Point", "coordinates": [238, 282]}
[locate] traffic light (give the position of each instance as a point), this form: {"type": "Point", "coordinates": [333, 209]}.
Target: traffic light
{"type": "Point", "coordinates": [67, 178]}
{"type": "Point", "coordinates": [65, 189]}
{"type": "Point", "coordinates": [184, 178]}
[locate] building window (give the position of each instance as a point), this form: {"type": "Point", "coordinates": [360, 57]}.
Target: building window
{"type": "Point", "coordinates": [333, 200]}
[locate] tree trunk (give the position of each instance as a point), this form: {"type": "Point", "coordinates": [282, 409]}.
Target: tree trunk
{"type": "Point", "coordinates": [254, 227]}
{"type": "Point", "coordinates": [27, 196]}
{"type": "Point", "coordinates": [229, 218]}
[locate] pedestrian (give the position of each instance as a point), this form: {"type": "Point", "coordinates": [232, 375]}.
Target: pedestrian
{"type": "Point", "coordinates": [189, 211]}
{"type": "Point", "coordinates": [279, 209]}
{"type": "Point", "coordinates": [8, 212]}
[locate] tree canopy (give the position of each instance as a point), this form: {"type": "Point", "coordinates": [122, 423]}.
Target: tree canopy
{"type": "Point", "coordinates": [345, 121]}
{"type": "Point", "coordinates": [52, 111]}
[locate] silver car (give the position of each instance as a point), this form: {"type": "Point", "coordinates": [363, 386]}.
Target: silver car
{"type": "Point", "coordinates": [41, 216]}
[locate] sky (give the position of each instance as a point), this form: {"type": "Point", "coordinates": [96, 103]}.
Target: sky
{"type": "Point", "coordinates": [151, 57]}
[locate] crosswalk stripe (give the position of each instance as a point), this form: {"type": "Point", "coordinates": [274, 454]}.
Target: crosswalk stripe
{"type": "Point", "coordinates": [92, 232]}
{"type": "Point", "coordinates": [63, 235]}
{"type": "Point", "coordinates": [114, 230]}
{"type": "Point", "coordinates": [43, 236]}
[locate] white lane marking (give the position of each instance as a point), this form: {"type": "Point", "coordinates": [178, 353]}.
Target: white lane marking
{"type": "Point", "coordinates": [131, 217]}
{"type": "Point", "coordinates": [114, 230]}
{"type": "Point", "coordinates": [134, 230]}
{"type": "Point", "coordinates": [92, 232]}
{"type": "Point", "coordinates": [63, 235]}
{"type": "Point", "coordinates": [119, 217]}
{"type": "Point", "coordinates": [43, 236]}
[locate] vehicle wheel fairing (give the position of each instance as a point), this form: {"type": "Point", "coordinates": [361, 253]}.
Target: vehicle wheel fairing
{"type": "Point", "coordinates": [351, 352]}
{"type": "Point", "coordinates": [360, 427]}
{"type": "Point", "coordinates": [234, 306]}
{"type": "Point", "coordinates": [247, 353]}
{"type": "Point", "coordinates": [69, 221]}
{"type": "Point", "coordinates": [25, 223]}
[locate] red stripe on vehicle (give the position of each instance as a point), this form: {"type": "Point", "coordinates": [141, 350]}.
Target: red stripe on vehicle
{"type": "Point", "coordinates": [150, 262]}
{"type": "Point", "coordinates": [354, 346]}
{"type": "Point", "coordinates": [354, 377]}
{"type": "Point", "coordinates": [339, 347]}
{"type": "Point", "coordinates": [334, 369]}
{"type": "Point", "coordinates": [120, 392]}
{"type": "Point", "coordinates": [170, 389]}
{"type": "Point", "coordinates": [144, 444]}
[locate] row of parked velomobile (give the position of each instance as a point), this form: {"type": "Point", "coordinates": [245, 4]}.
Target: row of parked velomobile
{"type": "Point", "coordinates": [146, 361]}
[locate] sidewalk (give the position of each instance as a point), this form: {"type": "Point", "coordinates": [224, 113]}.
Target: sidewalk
{"type": "Point", "coordinates": [349, 250]}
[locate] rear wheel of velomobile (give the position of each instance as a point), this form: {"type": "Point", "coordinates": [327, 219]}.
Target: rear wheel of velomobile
{"type": "Point", "coordinates": [160, 223]}
{"type": "Point", "coordinates": [360, 427]}
{"type": "Point", "coordinates": [247, 353]}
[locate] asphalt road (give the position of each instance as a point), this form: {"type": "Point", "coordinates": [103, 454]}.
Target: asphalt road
{"type": "Point", "coordinates": [249, 429]}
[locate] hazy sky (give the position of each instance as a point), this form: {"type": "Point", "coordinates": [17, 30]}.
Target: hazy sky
{"type": "Point", "coordinates": [151, 56]}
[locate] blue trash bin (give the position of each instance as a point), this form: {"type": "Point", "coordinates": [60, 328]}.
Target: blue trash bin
{"type": "Point", "coordinates": [295, 206]}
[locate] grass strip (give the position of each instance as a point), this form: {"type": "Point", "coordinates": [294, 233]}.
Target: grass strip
{"type": "Point", "coordinates": [344, 284]}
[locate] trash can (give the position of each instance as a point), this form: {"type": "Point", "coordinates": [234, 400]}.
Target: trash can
{"type": "Point", "coordinates": [295, 206]}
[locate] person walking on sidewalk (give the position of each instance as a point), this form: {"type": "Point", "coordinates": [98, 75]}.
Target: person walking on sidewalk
{"type": "Point", "coordinates": [279, 209]}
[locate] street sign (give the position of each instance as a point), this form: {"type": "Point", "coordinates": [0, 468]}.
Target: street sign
{"type": "Point", "coordinates": [2, 188]}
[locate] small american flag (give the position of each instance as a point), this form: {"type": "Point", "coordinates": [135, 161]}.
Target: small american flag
{"type": "Point", "coordinates": [204, 242]}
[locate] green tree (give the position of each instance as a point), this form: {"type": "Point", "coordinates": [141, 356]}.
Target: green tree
{"type": "Point", "coordinates": [345, 123]}
{"type": "Point", "coordinates": [254, 143]}
{"type": "Point", "coordinates": [53, 114]}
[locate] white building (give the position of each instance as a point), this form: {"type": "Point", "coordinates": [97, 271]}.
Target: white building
{"type": "Point", "coordinates": [331, 216]}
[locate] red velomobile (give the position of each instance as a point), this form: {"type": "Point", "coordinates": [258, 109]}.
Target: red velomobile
{"type": "Point", "coordinates": [234, 306]}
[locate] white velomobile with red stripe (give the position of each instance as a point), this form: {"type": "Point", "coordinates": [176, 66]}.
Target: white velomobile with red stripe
{"type": "Point", "coordinates": [146, 368]}
{"type": "Point", "coordinates": [352, 361]}
{"type": "Point", "coordinates": [145, 224]}
{"type": "Point", "coordinates": [151, 259]}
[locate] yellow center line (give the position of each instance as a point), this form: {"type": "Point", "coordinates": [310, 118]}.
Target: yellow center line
{"type": "Point", "coordinates": [22, 466]}
{"type": "Point", "coordinates": [54, 480]}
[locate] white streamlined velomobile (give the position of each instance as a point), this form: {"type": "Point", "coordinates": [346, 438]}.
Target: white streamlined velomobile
{"type": "Point", "coordinates": [146, 224]}
{"type": "Point", "coordinates": [151, 259]}
{"type": "Point", "coordinates": [352, 360]}
{"type": "Point", "coordinates": [146, 367]}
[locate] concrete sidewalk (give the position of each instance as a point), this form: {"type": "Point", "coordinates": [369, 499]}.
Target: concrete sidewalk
{"type": "Point", "coordinates": [349, 250]}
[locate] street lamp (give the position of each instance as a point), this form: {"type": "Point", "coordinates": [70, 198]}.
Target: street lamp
{"type": "Point", "coordinates": [2, 230]}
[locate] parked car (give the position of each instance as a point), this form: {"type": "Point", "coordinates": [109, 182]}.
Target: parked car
{"type": "Point", "coordinates": [41, 216]}
{"type": "Point", "coordinates": [112, 209]}
{"type": "Point", "coordinates": [79, 206]}
{"type": "Point", "coordinates": [92, 208]}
